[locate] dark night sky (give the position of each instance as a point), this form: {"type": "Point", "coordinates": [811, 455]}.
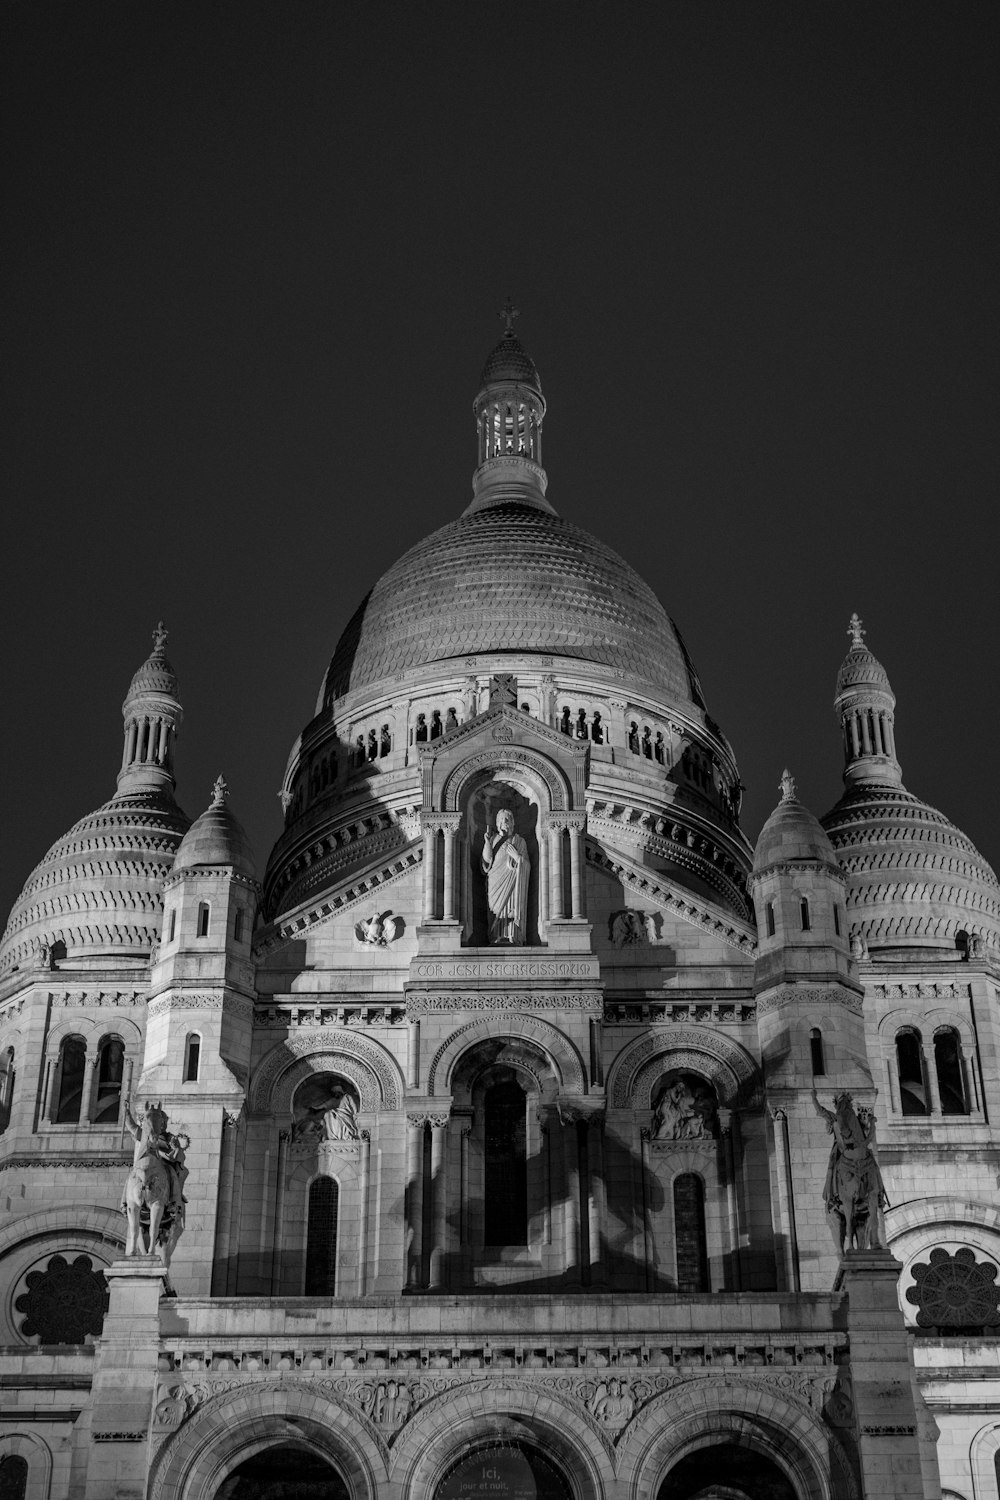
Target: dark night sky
{"type": "Point", "coordinates": [253, 255]}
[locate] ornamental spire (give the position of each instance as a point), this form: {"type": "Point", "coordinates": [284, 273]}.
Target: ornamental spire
{"type": "Point", "coordinates": [787, 786]}
{"type": "Point", "coordinates": [220, 792]}
{"type": "Point", "coordinates": [509, 312]}
{"type": "Point", "coordinates": [509, 410]}
{"type": "Point", "coordinates": [152, 716]}
{"type": "Point", "coordinates": [856, 633]}
{"type": "Point", "coordinates": [864, 703]}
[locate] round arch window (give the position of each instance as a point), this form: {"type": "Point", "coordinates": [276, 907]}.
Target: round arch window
{"type": "Point", "coordinates": [286, 1472]}
{"type": "Point", "coordinates": [726, 1471]}
{"type": "Point", "coordinates": [504, 1471]}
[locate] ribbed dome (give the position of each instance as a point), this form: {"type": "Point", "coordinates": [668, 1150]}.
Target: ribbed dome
{"type": "Point", "coordinates": [914, 879]}
{"type": "Point", "coordinates": [156, 675]}
{"type": "Point", "coordinates": [216, 838]}
{"type": "Point", "coordinates": [861, 669]}
{"type": "Point", "coordinates": [790, 835]}
{"type": "Point", "coordinates": [99, 890]}
{"type": "Point", "coordinates": [509, 362]}
{"type": "Point", "coordinates": [511, 577]}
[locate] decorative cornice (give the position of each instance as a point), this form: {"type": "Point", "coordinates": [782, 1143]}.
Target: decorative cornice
{"type": "Point", "coordinates": [652, 885]}
{"type": "Point", "coordinates": [506, 1001]}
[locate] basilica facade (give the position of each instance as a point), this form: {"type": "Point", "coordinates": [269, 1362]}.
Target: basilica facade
{"type": "Point", "coordinates": [520, 1128]}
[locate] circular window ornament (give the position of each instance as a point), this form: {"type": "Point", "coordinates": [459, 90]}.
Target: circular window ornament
{"type": "Point", "coordinates": [64, 1302]}
{"type": "Point", "coordinates": [955, 1293]}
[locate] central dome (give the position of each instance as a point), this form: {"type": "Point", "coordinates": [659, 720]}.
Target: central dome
{"type": "Point", "coordinates": [511, 577]}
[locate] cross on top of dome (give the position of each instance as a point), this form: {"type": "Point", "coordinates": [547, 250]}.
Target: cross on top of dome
{"type": "Point", "coordinates": [509, 312]}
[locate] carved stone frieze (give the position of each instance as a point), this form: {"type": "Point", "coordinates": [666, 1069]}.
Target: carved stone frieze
{"type": "Point", "coordinates": [505, 1000]}
{"type": "Point", "coordinates": [377, 1080]}
{"type": "Point", "coordinates": [74, 1163]}
{"type": "Point", "coordinates": [808, 995]}
{"type": "Point", "coordinates": [235, 1005]}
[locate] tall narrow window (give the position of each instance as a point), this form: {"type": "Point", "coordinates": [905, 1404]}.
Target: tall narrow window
{"type": "Point", "coordinates": [110, 1064]}
{"type": "Point", "coordinates": [816, 1050]}
{"type": "Point", "coordinates": [769, 918]}
{"type": "Point", "coordinates": [202, 919]}
{"type": "Point", "coordinates": [321, 1238]}
{"type": "Point", "coordinates": [7, 1076]}
{"type": "Point", "coordinates": [13, 1477]}
{"type": "Point", "coordinates": [804, 909]}
{"type": "Point", "coordinates": [192, 1057]}
{"type": "Point", "coordinates": [950, 1073]}
{"type": "Point", "coordinates": [689, 1233]}
{"type": "Point", "coordinates": [506, 1186]}
{"type": "Point", "coordinates": [72, 1056]}
{"type": "Point", "coordinates": [173, 927]}
{"type": "Point", "coordinates": [238, 925]}
{"type": "Point", "coordinates": [836, 919]}
{"type": "Point", "coordinates": [909, 1063]}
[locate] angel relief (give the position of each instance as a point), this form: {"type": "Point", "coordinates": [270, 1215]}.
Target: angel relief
{"type": "Point", "coordinates": [378, 930]}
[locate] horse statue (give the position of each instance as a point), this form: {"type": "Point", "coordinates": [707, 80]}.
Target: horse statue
{"type": "Point", "coordinates": [854, 1193]}
{"type": "Point", "coordinates": [153, 1199]}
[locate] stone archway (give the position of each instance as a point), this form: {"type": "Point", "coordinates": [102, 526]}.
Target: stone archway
{"type": "Point", "coordinates": [284, 1471]}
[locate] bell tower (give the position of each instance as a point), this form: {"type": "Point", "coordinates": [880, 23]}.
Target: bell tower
{"type": "Point", "coordinates": [509, 412]}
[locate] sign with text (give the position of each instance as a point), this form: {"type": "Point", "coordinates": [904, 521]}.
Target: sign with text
{"type": "Point", "coordinates": [503, 1473]}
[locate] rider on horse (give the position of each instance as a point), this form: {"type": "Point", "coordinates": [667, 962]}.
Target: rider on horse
{"type": "Point", "coordinates": [152, 1138]}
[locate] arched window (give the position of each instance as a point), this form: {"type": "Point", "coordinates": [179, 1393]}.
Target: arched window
{"type": "Point", "coordinates": [816, 1052]}
{"type": "Point", "coordinates": [13, 1477]}
{"type": "Point", "coordinates": [564, 722]}
{"type": "Point", "coordinates": [909, 1065]}
{"type": "Point", "coordinates": [804, 911]}
{"type": "Point", "coordinates": [506, 1183]}
{"type": "Point", "coordinates": [7, 1075]}
{"type": "Point", "coordinates": [203, 919]}
{"type": "Point", "coordinates": [769, 918]}
{"type": "Point", "coordinates": [950, 1072]}
{"type": "Point", "coordinates": [110, 1065]}
{"type": "Point", "coordinates": [420, 733]}
{"type": "Point", "coordinates": [321, 1238]}
{"type": "Point", "coordinates": [72, 1057]}
{"type": "Point", "coordinates": [689, 1233]}
{"type": "Point", "coordinates": [192, 1057]}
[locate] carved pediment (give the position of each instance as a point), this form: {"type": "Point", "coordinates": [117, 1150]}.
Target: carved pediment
{"type": "Point", "coordinates": [499, 737]}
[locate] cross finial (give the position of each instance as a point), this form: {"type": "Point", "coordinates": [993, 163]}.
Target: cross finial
{"type": "Point", "coordinates": [787, 786]}
{"type": "Point", "coordinates": [855, 632]}
{"type": "Point", "coordinates": [219, 793]}
{"type": "Point", "coordinates": [159, 636]}
{"type": "Point", "coordinates": [509, 313]}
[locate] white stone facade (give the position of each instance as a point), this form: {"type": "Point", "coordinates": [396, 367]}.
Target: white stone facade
{"type": "Point", "coordinates": [558, 1204]}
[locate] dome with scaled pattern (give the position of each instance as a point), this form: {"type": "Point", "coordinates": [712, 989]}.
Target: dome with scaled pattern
{"type": "Point", "coordinates": [511, 575]}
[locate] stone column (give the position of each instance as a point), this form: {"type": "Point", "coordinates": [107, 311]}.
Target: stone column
{"type": "Point", "coordinates": [575, 822]}
{"type": "Point", "coordinates": [727, 1125]}
{"type": "Point", "coordinates": [571, 1203]}
{"type": "Point", "coordinates": [430, 867]}
{"type": "Point", "coordinates": [930, 1077]}
{"type": "Point", "coordinates": [449, 874]}
{"type": "Point", "coordinates": [647, 1224]}
{"type": "Point", "coordinates": [415, 1202]}
{"type": "Point", "coordinates": [279, 1211]}
{"type": "Point", "coordinates": [556, 907]}
{"type": "Point", "coordinates": [413, 1054]}
{"type": "Point", "coordinates": [223, 1279]}
{"type": "Point", "coordinates": [87, 1088]}
{"type": "Point", "coordinates": [597, 1199]}
{"type": "Point", "coordinates": [439, 1201]}
{"type": "Point", "coordinates": [364, 1208]}
{"type": "Point", "coordinates": [786, 1203]}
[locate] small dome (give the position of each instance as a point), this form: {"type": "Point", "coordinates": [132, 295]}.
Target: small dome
{"type": "Point", "coordinates": [914, 880]}
{"type": "Point", "coordinates": [156, 675]}
{"type": "Point", "coordinates": [99, 890]}
{"type": "Point", "coordinates": [860, 668]}
{"type": "Point", "coordinates": [217, 838]}
{"type": "Point", "coordinates": [792, 835]}
{"type": "Point", "coordinates": [509, 362]}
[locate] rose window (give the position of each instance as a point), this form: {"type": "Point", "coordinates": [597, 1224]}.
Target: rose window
{"type": "Point", "coordinates": [64, 1302]}
{"type": "Point", "coordinates": [955, 1293]}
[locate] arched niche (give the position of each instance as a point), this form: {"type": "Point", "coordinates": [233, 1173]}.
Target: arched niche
{"type": "Point", "coordinates": [369, 1068]}
{"type": "Point", "coordinates": [520, 792]}
{"type": "Point", "coordinates": [325, 1107]}
{"type": "Point", "coordinates": [718, 1059]}
{"type": "Point", "coordinates": [558, 1052]}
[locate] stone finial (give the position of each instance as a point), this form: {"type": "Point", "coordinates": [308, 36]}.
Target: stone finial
{"type": "Point", "coordinates": [220, 792]}
{"type": "Point", "coordinates": [856, 633]}
{"type": "Point", "coordinates": [159, 636]}
{"type": "Point", "coordinates": [787, 786]}
{"type": "Point", "coordinates": [509, 312]}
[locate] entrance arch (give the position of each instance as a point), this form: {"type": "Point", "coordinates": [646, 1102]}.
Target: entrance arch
{"type": "Point", "coordinates": [230, 1430]}
{"type": "Point", "coordinates": [284, 1471]}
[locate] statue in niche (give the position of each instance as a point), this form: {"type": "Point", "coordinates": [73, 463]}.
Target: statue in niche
{"type": "Point", "coordinates": [333, 1118]}
{"type": "Point", "coordinates": [507, 869]}
{"type": "Point", "coordinates": [682, 1114]}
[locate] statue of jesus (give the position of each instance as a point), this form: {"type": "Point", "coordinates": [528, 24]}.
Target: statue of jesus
{"type": "Point", "coordinates": [507, 867]}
